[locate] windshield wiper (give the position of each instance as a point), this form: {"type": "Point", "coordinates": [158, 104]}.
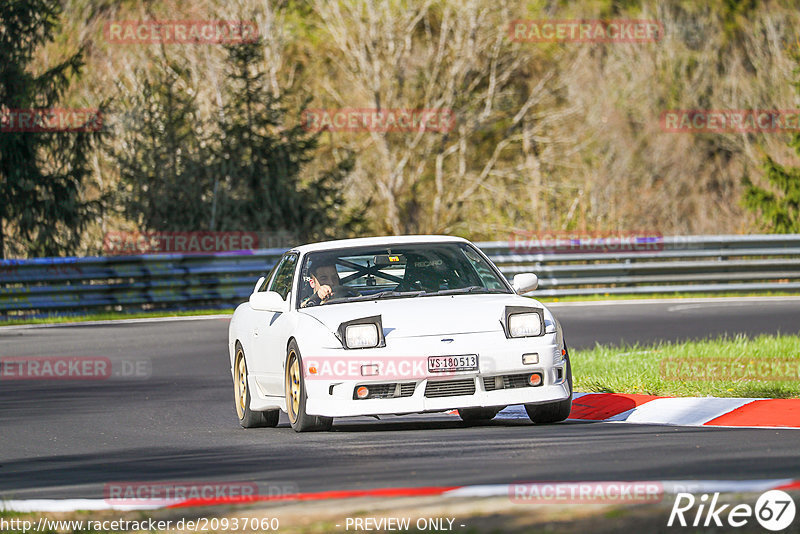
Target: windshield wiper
{"type": "Point", "coordinates": [469, 289]}
{"type": "Point", "coordinates": [390, 293]}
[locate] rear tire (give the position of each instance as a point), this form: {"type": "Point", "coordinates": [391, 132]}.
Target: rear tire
{"type": "Point", "coordinates": [477, 415]}
{"type": "Point", "coordinates": [296, 395]}
{"type": "Point", "coordinates": [553, 412]}
{"type": "Point", "coordinates": [241, 394]}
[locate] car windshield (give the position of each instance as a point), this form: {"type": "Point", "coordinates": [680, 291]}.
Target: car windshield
{"type": "Point", "coordinates": [400, 271]}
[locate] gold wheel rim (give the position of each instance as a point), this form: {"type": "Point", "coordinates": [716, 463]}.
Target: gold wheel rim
{"type": "Point", "coordinates": [240, 384]}
{"type": "Point", "coordinates": [293, 387]}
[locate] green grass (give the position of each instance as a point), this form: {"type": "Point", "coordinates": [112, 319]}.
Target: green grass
{"type": "Point", "coordinates": [765, 366]}
{"type": "Point", "coordinates": [107, 316]}
{"type": "Point", "coordinates": [631, 296]}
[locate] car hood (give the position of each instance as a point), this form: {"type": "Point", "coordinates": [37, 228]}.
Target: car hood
{"type": "Point", "coordinates": [426, 316]}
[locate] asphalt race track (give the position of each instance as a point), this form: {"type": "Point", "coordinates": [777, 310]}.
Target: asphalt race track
{"type": "Point", "coordinates": [675, 320]}
{"type": "Point", "coordinates": [62, 439]}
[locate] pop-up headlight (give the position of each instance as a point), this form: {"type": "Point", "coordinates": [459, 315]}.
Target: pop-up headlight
{"type": "Point", "coordinates": [524, 322]}
{"type": "Point", "coordinates": [362, 333]}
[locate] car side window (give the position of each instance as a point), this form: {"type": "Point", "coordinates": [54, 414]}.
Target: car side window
{"type": "Point", "coordinates": [270, 274]}
{"type": "Point", "coordinates": [284, 275]}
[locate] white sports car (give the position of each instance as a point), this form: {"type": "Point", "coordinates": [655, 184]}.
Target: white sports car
{"type": "Point", "coordinates": [394, 325]}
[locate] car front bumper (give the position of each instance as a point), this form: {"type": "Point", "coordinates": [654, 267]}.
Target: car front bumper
{"type": "Point", "coordinates": [418, 403]}
{"type": "Point", "coordinates": [497, 357]}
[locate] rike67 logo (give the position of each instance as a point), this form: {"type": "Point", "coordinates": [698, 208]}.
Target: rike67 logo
{"type": "Point", "coordinates": [774, 510]}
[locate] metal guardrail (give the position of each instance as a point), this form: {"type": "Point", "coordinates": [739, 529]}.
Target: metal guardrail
{"type": "Point", "coordinates": [693, 264]}
{"type": "Point", "coordinates": [662, 265]}
{"type": "Point", "coordinates": [128, 282]}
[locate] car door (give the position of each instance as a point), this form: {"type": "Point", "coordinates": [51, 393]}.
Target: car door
{"type": "Point", "coordinates": [271, 330]}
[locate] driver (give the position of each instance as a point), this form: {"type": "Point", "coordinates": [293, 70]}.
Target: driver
{"type": "Point", "coordinates": [325, 282]}
{"type": "Point", "coordinates": [324, 277]}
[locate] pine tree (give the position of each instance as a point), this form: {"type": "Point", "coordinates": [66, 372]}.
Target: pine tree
{"type": "Point", "coordinates": [260, 159]}
{"type": "Point", "coordinates": [42, 174]}
{"type": "Point", "coordinates": [780, 212]}
{"type": "Point", "coordinates": [779, 206]}
{"type": "Point", "coordinates": [164, 179]}
{"type": "Point", "coordinates": [240, 172]}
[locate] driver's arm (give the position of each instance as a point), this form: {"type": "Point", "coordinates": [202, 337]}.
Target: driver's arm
{"type": "Point", "coordinates": [324, 292]}
{"type": "Point", "coordinates": [313, 300]}
{"type": "Point", "coordinates": [316, 299]}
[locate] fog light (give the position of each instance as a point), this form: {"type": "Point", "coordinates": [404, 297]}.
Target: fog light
{"type": "Point", "coordinates": [535, 379]}
{"type": "Point", "coordinates": [362, 392]}
{"type": "Point", "coordinates": [530, 359]}
{"type": "Point", "coordinates": [369, 370]}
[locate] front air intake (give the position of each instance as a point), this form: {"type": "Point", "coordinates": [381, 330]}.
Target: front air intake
{"type": "Point", "coordinates": [450, 388]}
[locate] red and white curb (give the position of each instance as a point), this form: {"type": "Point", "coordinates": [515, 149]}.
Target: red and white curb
{"type": "Point", "coordinates": [682, 411]}
{"type": "Point", "coordinates": [666, 487]}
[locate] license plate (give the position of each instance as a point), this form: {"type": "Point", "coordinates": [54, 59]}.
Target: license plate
{"type": "Point", "coordinates": [440, 364]}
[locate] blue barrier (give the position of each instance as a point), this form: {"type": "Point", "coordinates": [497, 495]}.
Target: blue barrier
{"type": "Point", "coordinates": [126, 282]}
{"type": "Point", "coordinates": [682, 263]}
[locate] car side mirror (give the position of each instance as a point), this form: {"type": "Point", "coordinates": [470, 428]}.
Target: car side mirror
{"type": "Point", "coordinates": [268, 301]}
{"type": "Point", "coordinates": [525, 282]}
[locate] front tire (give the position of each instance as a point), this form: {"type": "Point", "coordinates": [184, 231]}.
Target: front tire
{"type": "Point", "coordinates": [553, 412]}
{"type": "Point", "coordinates": [296, 395]}
{"type": "Point", "coordinates": [247, 417]}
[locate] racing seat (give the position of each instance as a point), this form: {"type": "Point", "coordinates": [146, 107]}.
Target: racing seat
{"type": "Point", "coordinates": [421, 279]}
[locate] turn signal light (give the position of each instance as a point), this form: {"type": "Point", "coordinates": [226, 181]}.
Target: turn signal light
{"type": "Point", "coordinates": [369, 370]}
{"type": "Point", "coordinates": [362, 392]}
{"type": "Point", "coordinates": [530, 359]}
{"type": "Point", "coordinates": [535, 379]}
